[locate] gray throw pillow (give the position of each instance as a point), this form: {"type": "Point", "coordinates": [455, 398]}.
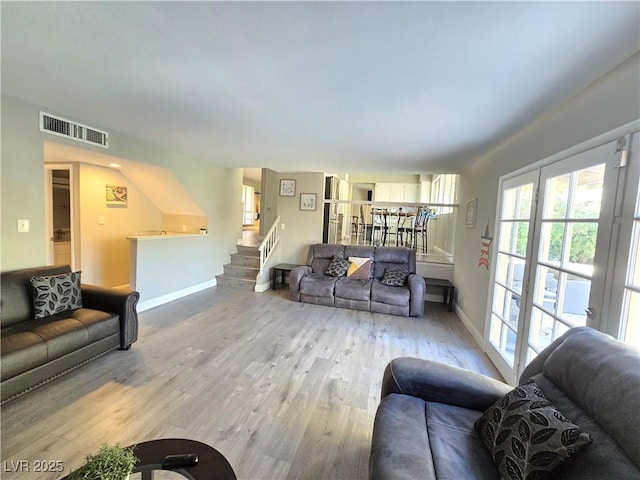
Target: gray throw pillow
{"type": "Point", "coordinates": [55, 294]}
{"type": "Point", "coordinates": [338, 267]}
{"type": "Point", "coordinates": [527, 436]}
{"type": "Point", "coordinates": [394, 278]}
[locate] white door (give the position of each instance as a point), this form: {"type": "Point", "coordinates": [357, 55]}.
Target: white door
{"type": "Point", "coordinates": [515, 230]}
{"type": "Point", "coordinates": [555, 279]}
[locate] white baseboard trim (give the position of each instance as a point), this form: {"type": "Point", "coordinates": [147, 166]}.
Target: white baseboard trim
{"type": "Point", "coordinates": [262, 287]}
{"type": "Point", "coordinates": [472, 330]}
{"type": "Point", "coordinates": [161, 300]}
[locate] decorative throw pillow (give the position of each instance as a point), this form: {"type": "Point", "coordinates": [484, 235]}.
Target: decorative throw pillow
{"type": "Point", "coordinates": [394, 278]}
{"type": "Point", "coordinates": [338, 267]}
{"type": "Point", "coordinates": [360, 268]}
{"type": "Point", "coordinates": [56, 293]}
{"type": "Point", "coordinates": [527, 436]}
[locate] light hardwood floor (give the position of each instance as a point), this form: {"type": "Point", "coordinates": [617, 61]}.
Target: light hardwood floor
{"type": "Point", "coordinates": [282, 389]}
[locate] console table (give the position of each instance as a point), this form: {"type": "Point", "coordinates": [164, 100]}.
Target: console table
{"type": "Point", "coordinates": [447, 287]}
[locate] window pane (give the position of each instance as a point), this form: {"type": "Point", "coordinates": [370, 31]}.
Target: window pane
{"type": "Point", "coordinates": [557, 195]}
{"type": "Point", "coordinates": [552, 241]}
{"type": "Point", "coordinates": [502, 268]}
{"type": "Point", "coordinates": [588, 192]}
{"type": "Point", "coordinates": [509, 204]}
{"type": "Point", "coordinates": [582, 248]}
{"type": "Point", "coordinates": [509, 346]}
{"type": "Point", "coordinates": [575, 300]}
{"type": "Point", "coordinates": [634, 261]}
{"type": "Point", "coordinates": [546, 290]}
{"type": "Point", "coordinates": [507, 230]}
{"type": "Point", "coordinates": [632, 304]}
{"type": "Point", "coordinates": [541, 333]}
{"type": "Point", "coordinates": [499, 306]}
{"type": "Point", "coordinates": [524, 205]}
{"type": "Point", "coordinates": [517, 274]}
{"type": "Point", "coordinates": [514, 310]}
{"type": "Point", "coordinates": [522, 236]}
{"type": "Point", "coordinates": [495, 332]}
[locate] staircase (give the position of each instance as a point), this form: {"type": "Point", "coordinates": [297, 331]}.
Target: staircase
{"type": "Point", "coordinates": [243, 269]}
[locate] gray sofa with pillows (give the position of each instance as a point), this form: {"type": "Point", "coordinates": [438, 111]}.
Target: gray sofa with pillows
{"type": "Point", "coordinates": [52, 324]}
{"type": "Point", "coordinates": [376, 279]}
{"type": "Point", "coordinates": [579, 419]}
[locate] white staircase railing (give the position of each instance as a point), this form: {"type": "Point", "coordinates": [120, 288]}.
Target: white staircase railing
{"type": "Point", "coordinates": [268, 244]}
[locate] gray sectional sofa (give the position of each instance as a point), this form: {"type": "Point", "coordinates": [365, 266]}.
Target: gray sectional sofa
{"type": "Point", "coordinates": [424, 427]}
{"type": "Point", "coordinates": [37, 350]}
{"type": "Point", "coordinates": [309, 283]}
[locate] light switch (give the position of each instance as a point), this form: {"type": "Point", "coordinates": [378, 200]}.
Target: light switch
{"type": "Point", "coordinates": [283, 226]}
{"type": "Point", "coordinates": [101, 220]}
{"type": "Point", "coordinates": [23, 225]}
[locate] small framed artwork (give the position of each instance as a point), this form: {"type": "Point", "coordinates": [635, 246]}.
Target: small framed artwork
{"type": "Point", "coordinates": [308, 201]}
{"type": "Point", "coordinates": [116, 195]}
{"type": "Point", "coordinates": [287, 187]}
{"type": "Point", "coordinates": [471, 213]}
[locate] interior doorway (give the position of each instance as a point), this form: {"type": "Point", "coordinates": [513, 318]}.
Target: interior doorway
{"type": "Point", "coordinates": [60, 218]}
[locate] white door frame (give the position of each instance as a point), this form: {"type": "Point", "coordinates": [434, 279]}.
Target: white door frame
{"type": "Point", "coordinates": [48, 198]}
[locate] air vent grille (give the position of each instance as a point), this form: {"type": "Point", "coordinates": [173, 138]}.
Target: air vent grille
{"type": "Point", "coordinates": [76, 131]}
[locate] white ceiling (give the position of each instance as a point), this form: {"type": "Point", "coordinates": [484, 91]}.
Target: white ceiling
{"type": "Point", "coordinates": [313, 86]}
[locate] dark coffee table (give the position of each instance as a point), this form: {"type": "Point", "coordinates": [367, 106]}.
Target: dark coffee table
{"type": "Point", "coordinates": [211, 463]}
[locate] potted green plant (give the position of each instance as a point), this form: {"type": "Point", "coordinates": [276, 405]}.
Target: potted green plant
{"type": "Point", "coordinates": [112, 462]}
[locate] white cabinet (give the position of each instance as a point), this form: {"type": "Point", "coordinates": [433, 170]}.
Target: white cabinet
{"type": "Point", "coordinates": [396, 192]}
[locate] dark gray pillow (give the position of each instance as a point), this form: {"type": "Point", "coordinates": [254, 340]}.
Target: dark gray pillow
{"type": "Point", "coordinates": [527, 436]}
{"type": "Point", "coordinates": [338, 267]}
{"type": "Point", "coordinates": [394, 278]}
{"type": "Point", "coordinates": [55, 294]}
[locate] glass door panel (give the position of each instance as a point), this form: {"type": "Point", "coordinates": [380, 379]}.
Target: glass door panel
{"type": "Point", "coordinates": [574, 236]}
{"type": "Point", "coordinates": [631, 302]}
{"type": "Point", "coordinates": [552, 252]}
{"type": "Point", "coordinates": [510, 270]}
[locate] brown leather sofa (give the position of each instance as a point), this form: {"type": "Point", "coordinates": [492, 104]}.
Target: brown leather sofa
{"type": "Point", "coordinates": [35, 351]}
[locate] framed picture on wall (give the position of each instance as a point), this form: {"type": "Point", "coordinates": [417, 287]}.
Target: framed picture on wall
{"type": "Point", "coordinates": [308, 201]}
{"type": "Point", "coordinates": [116, 196]}
{"type": "Point", "coordinates": [287, 187]}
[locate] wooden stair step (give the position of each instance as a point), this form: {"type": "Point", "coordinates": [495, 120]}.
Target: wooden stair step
{"type": "Point", "coordinates": [239, 283]}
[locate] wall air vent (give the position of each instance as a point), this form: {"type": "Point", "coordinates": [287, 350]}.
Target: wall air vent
{"type": "Point", "coordinates": [76, 131]}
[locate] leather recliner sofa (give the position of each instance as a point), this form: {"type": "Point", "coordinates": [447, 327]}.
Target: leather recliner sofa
{"type": "Point", "coordinates": [424, 426]}
{"type": "Point", "coordinates": [309, 283]}
{"type": "Point", "coordinates": [35, 351]}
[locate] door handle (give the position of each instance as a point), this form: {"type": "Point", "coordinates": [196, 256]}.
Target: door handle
{"type": "Point", "coordinates": [590, 311]}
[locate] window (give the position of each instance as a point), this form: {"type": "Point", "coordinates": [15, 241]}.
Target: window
{"type": "Point", "coordinates": [630, 318]}
{"type": "Point", "coordinates": [567, 254]}
{"type": "Point", "coordinates": [444, 191]}
{"type": "Point", "coordinates": [247, 205]}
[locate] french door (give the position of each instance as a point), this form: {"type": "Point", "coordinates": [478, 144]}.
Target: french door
{"type": "Point", "coordinates": [554, 231]}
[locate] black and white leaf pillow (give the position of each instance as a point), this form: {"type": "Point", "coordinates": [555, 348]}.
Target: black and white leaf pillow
{"type": "Point", "coordinates": [55, 294]}
{"type": "Point", "coordinates": [394, 278]}
{"type": "Point", "coordinates": [338, 267]}
{"type": "Point", "coordinates": [527, 436]}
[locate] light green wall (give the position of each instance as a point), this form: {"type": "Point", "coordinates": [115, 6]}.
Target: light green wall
{"type": "Point", "coordinates": [303, 227]}
{"type": "Point", "coordinates": [611, 102]}
{"type": "Point", "coordinates": [216, 189]}
{"type": "Point", "coordinates": [22, 193]}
